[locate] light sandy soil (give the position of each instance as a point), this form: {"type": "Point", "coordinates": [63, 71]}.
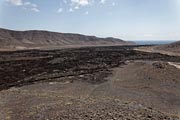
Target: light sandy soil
{"type": "Point", "coordinates": [177, 65]}
{"type": "Point", "coordinates": [57, 47]}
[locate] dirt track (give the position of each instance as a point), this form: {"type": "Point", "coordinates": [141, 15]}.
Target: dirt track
{"type": "Point", "coordinates": [79, 83]}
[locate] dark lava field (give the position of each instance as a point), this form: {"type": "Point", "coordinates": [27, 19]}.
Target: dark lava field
{"type": "Point", "coordinates": [18, 68]}
{"type": "Point", "coordinates": [92, 83]}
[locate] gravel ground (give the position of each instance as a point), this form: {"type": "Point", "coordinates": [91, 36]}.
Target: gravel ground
{"type": "Point", "coordinates": [88, 83]}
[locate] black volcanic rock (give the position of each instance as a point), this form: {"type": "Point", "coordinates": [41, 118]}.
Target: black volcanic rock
{"type": "Point", "coordinates": [34, 39]}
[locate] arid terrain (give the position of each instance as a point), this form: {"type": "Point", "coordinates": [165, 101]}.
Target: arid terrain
{"type": "Point", "coordinates": [173, 47]}
{"type": "Point", "coordinates": [169, 49]}
{"type": "Point", "coordinates": [98, 83]}
{"type": "Point", "coordinates": [38, 39]}
{"type": "Point", "coordinates": [89, 60]}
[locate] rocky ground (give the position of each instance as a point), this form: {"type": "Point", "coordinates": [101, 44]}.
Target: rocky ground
{"type": "Point", "coordinates": [89, 83]}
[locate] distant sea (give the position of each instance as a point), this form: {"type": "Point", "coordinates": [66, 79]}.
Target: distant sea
{"type": "Point", "coordinates": [153, 42]}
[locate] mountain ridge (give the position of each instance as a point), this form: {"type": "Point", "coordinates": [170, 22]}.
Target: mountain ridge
{"type": "Point", "coordinates": [11, 39]}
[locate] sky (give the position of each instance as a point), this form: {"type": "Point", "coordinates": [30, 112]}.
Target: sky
{"type": "Point", "coordinates": [124, 19]}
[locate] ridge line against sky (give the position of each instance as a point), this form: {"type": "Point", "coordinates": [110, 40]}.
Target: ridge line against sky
{"type": "Point", "coordinates": [125, 19]}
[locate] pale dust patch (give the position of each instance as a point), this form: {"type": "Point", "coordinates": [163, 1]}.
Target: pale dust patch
{"type": "Point", "coordinates": [177, 65]}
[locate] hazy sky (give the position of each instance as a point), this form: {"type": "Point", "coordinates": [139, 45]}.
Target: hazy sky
{"type": "Point", "coordinates": [126, 19]}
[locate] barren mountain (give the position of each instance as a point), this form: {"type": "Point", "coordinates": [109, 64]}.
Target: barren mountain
{"type": "Point", "coordinates": [169, 49]}
{"type": "Point", "coordinates": [173, 47]}
{"type": "Point", "coordinates": [10, 39]}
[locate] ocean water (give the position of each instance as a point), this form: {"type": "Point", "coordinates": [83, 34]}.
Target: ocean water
{"type": "Point", "coordinates": [153, 42]}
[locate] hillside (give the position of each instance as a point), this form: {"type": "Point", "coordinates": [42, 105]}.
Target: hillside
{"type": "Point", "coordinates": [10, 39]}
{"type": "Point", "coordinates": [173, 47]}
{"type": "Point", "coordinates": [169, 49]}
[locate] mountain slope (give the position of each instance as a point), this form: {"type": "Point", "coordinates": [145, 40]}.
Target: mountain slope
{"type": "Point", "coordinates": [10, 39]}
{"type": "Point", "coordinates": [169, 49]}
{"type": "Point", "coordinates": [173, 47]}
